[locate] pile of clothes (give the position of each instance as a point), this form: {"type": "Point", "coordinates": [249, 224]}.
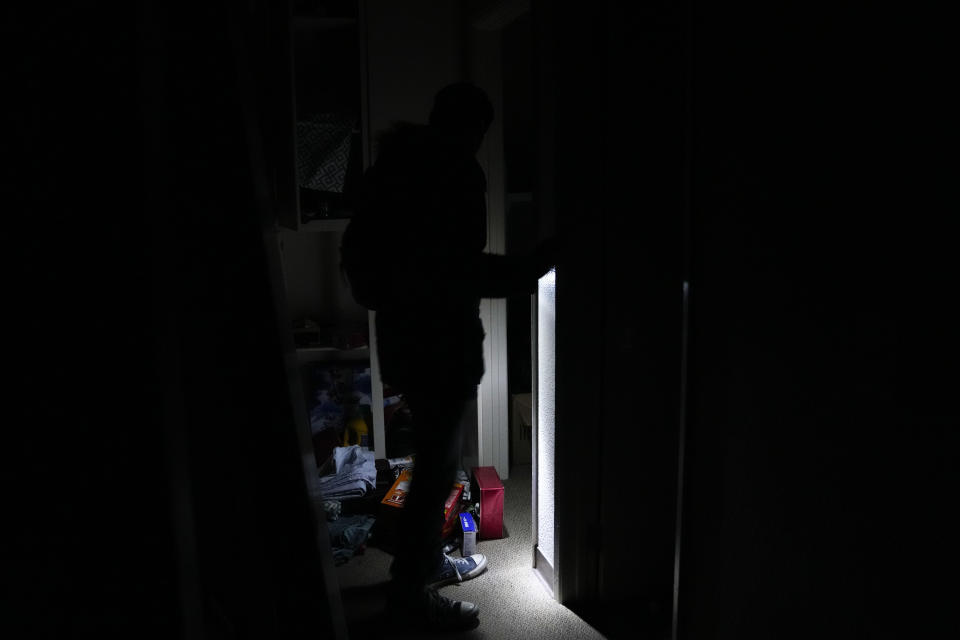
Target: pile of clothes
{"type": "Point", "coordinates": [353, 474]}
{"type": "Point", "coordinates": [350, 473]}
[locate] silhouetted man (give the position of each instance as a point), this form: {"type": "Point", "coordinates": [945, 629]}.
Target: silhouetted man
{"type": "Point", "coordinates": [414, 252]}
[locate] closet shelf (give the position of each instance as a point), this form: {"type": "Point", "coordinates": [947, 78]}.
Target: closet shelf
{"type": "Point", "coordinates": [332, 354]}
{"type": "Point", "coordinates": [320, 23]}
{"type": "Point", "coordinates": [325, 225]}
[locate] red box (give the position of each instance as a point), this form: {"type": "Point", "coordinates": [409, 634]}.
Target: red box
{"type": "Point", "coordinates": [490, 488]}
{"type": "Point", "coordinates": [451, 510]}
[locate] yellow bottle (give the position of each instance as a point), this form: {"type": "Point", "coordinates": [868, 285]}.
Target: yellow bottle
{"type": "Point", "coordinates": [356, 432]}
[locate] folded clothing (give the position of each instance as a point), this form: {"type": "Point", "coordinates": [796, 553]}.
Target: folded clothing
{"type": "Point", "coordinates": [355, 473]}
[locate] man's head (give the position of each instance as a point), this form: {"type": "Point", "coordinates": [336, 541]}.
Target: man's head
{"type": "Point", "coordinates": [462, 111]}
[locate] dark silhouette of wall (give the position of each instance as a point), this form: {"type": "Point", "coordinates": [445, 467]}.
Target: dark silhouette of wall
{"type": "Point", "coordinates": [159, 490]}
{"type": "Point", "coordinates": [816, 464]}
{"type": "Point", "coordinates": [790, 162]}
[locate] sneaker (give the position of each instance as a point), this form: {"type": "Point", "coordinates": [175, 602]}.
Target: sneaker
{"type": "Point", "coordinates": [459, 569]}
{"type": "Point", "coordinates": [433, 612]}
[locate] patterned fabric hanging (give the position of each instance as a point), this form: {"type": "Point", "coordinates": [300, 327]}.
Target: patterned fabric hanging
{"type": "Point", "coordinates": [323, 151]}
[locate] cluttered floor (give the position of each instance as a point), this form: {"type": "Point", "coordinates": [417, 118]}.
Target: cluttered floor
{"type": "Point", "coordinates": [513, 602]}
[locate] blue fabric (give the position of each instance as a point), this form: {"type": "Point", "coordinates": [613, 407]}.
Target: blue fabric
{"type": "Point", "coordinates": [348, 534]}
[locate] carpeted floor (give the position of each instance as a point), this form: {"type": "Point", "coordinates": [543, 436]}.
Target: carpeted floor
{"type": "Point", "coordinates": [513, 602]}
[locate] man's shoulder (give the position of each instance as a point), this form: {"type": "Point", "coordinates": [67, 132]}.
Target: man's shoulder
{"type": "Point", "coordinates": [402, 138]}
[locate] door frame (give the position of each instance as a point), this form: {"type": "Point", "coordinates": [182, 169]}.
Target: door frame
{"type": "Point", "coordinates": [484, 67]}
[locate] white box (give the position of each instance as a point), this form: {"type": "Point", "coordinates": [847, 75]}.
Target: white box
{"type": "Point", "coordinates": [469, 528]}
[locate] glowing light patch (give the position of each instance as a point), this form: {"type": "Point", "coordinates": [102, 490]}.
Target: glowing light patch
{"type": "Point", "coordinates": [546, 388]}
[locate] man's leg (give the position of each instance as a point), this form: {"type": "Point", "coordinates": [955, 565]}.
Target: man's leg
{"type": "Point", "coordinates": [436, 416]}
{"type": "Point", "coordinates": [436, 419]}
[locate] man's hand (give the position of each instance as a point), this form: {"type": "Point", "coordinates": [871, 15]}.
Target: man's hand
{"type": "Point", "coordinates": [544, 257]}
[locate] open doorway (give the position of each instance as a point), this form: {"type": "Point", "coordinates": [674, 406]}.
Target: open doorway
{"type": "Point", "coordinates": [521, 222]}
{"type": "Point", "coordinates": [499, 47]}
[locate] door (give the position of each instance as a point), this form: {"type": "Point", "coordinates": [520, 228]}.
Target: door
{"type": "Point", "coordinates": [612, 149]}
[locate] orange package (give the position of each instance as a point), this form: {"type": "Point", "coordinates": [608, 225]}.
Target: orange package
{"type": "Point", "coordinates": [397, 494]}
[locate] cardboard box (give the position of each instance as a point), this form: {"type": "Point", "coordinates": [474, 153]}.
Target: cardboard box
{"type": "Point", "coordinates": [451, 509]}
{"type": "Point", "coordinates": [390, 508]}
{"type": "Point", "coordinates": [397, 494]}
{"type": "Point", "coordinates": [469, 530]}
{"type": "Point", "coordinates": [488, 487]}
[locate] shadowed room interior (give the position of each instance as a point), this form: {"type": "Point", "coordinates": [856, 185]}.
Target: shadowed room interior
{"type": "Point", "coordinates": [756, 341]}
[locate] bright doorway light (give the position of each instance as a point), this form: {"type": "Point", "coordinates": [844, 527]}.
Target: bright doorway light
{"type": "Point", "coordinates": [544, 429]}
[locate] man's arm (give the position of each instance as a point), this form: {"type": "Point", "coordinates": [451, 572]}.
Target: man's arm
{"type": "Point", "coordinates": [498, 276]}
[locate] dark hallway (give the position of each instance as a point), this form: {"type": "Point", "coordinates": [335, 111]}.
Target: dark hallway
{"type": "Point", "coordinates": [795, 163]}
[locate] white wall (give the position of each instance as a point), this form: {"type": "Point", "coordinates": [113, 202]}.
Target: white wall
{"type": "Point", "coordinates": [414, 48]}
{"type": "Point", "coordinates": [317, 290]}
